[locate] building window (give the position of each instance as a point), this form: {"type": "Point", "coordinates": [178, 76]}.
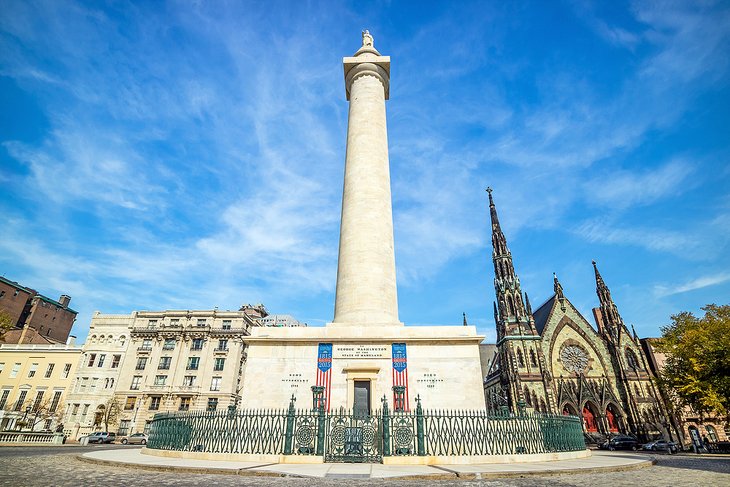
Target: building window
{"type": "Point", "coordinates": [33, 368]}
{"type": "Point", "coordinates": [223, 344]}
{"type": "Point", "coordinates": [169, 344]}
{"type": "Point", "coordinates": [219, 363]}
{"type": "Point", "coordinates": [184, 403]}
{"type": "Point", "coordinates": [201, 322]}
{"type": "Point", "coordinates": [197, 344]}
{"type": "Point", "coordinates": [129, 405]}
{"type": "Point", "coordinates": [54, 402]}
{"type": "Point", "coordinates": [38, 400]}
{"type": "Point", "coordinates": [82, 384]}
{"type": "Point", "coordinates": [85, 411]}
{"type": "Point", "coordinates": [226, 324]}
{"type": "Point", "coordinates": [215, 384]}
{"type": "Point", "coordinates": [75, 410]}
{"type": "Point", "coordinates": [212, 404]}
{"type": "Point", "coordinates": [141, 363]}
{"type": "Point", "coordinates": [94, 382]}
{"type": "Point", "coordinates": [115, 361]}
{"type": "Point", "coordinates": [175, 322]}
{"type": "Point", "coordinates": [21, 399]}
{"type": "Point", "coordinates": [533, 360]}
{"type": "Point", "coordinates": [160, 380]}
{"type": "Point", "coordinates": [146, 344]}
{"type": "Point", "coordinates": [101, 360]}
{"type": "Point", "coordinates": [164, 363]}
{"type": "Point", "coordinates": [189, 380]}
{"type": "Point", "coordinates": [66, 371]}
{"type": "Point", "coordinates": [14, 371]}
{"type": "Point", "coordinates": [711, 433]}
{"type": "Point", "coordinates": [155, 403]}
{"type": "Point", "coordinates": [49, 370]}
{"type": "Point", "coordinates": [92, 359]}
{"type": "Point", "coordinates": [147, 425]}
{"type": "Point", "coordinates": [2, 367]}
{"type": "Point", "coordinates": [2, 294]}
{"type": "Point", "coordinates": [135, 382]}
{"type": "Point", "coordinates": [124, 427]}
{"type": "Point", "coordinates": [193, 363]}
{"type": "Point", "coordinates": [4, 398]}
{"type": "Point", "coordinates": [152, 324]}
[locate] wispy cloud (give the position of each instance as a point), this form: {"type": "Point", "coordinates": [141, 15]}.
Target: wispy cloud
{"type": "Point", "coordinates": [692, 285]}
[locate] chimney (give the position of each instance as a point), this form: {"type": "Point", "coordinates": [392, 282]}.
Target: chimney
{"type": "Point", "coordinates": [64, 300]}
{"type": "Point", "coordinates": [71, 342]}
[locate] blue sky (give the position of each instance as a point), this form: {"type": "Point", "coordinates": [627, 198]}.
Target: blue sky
{"type": "Point", "coordinates": [187, 155]}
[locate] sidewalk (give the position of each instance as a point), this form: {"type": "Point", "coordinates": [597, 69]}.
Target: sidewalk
{"type": "Point", "coordinates": [600, 461]}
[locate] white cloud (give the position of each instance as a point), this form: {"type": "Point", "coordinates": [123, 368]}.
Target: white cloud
{"type": "Point", "coordinates": [692, 285]}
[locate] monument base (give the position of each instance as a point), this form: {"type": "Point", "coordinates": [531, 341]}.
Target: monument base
{"type": "Point", "coordinates": [439, 363]}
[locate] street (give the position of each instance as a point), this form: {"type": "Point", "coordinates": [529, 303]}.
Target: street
{"type": "Point", "coordinates": [57, 466]}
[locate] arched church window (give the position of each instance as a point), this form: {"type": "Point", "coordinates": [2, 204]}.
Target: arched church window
{"type": "Point", "coordinates": [637, 389]}
{"type": "Point", "coordinates": [711, 433]}
{"type": "Point", "coordinates": [543, 407]}
{"type": "Point", "coordinates": [520, 359]}
{"type": "Point", "coordinates": [533, 359]}
{"type": "Point", "coordinates": [528, 398]}
{"type": "Point", "coordinates": [631, 359]}
{"type": "Point", "coordinates": [510, 306]}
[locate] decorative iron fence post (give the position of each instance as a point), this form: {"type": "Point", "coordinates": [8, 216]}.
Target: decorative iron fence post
{"type": "Point", "coordinates": [419, 428]}
{"type": "Point", "coordinates": [289, 427]}
{"type": "Point", "coordinates": [386, 428]}
{"type": "Point", "coordinates": [321, 420]}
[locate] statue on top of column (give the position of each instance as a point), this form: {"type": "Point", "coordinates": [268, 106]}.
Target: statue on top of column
{"type": "Point", "coordinates": [367, 39]}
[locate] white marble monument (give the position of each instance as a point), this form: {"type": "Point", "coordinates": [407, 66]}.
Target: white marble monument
{"type": "Point", "coordinates": [366, 350]}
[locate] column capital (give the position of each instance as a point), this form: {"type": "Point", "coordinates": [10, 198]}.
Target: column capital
{"type": "Point", "coordinates": [367, 64]}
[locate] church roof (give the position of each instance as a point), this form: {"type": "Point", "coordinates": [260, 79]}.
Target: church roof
{"type": "Point", "coordinates": [542, 313]}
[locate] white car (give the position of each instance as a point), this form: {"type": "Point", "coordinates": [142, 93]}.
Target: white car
{"type": "Point", "coordinates": [135, 439]}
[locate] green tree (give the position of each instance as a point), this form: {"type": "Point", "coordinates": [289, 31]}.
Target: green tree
{"type": "Point", "coordinates": [697, 368]}
{"type": "Point", "coordinates": [6, 323]}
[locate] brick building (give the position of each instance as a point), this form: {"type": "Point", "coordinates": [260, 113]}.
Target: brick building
{"type": "Point", "coordinates": [37, 318]}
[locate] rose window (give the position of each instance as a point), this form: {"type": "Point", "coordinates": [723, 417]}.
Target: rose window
{"type": "Point", "coordinates": [574, 358]}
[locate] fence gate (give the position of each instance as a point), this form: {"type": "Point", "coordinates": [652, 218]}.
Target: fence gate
{"type": "Point", "coordinates": [353, 438]}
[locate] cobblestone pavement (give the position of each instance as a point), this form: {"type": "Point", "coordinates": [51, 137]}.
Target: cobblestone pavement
{"type": "Point", "coordinates": [61, 468]}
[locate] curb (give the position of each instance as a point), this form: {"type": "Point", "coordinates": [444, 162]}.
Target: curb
{"type": "Point", "coordinates": [552, 473]}
{"type": "Point", "coordinates": [446, 475]}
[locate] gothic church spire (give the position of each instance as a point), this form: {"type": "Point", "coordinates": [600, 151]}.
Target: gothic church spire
{"type": "Point", "coordinates": [513, 317]}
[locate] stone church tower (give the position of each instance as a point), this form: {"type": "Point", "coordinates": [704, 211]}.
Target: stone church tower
{"type": "Point", "coordinates": [553, 360]}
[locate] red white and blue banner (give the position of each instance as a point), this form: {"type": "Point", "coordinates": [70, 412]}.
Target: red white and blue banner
{"type": "Point", "coordinates": [400, 376]}
{"type": "Point", "coordinates": [324, 371]}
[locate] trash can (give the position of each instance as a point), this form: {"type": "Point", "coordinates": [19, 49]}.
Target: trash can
{"type": "Point", "coordinates": [84, 440]}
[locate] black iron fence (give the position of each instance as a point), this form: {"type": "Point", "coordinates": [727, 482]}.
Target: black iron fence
{"type": "Point", "coordinates": [346, 436]}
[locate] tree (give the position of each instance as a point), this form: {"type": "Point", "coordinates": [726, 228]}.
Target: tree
{"type": "Point", "coordinates": [110, 412]}
{"type": "Point", "coordinates": [697, 368]}
{"type": "Point", "coordinates": [6, 323]}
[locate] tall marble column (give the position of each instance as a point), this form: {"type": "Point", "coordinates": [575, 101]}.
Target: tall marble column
{"type": "Point", "coordinates": [366, 287]}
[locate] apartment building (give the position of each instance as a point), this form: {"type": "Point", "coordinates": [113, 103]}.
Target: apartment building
{"type": "Point", "coordinates": [182, 360]}
{"type": "Point", "coordinates": [34, 378]}
{"type": "Point", "coordinates": [90, 404]}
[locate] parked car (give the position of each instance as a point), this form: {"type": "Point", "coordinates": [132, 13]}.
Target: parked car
{"type": "Point", "coordinates": [662, 445]}
{"type": "Point", "coordinates": [135, 439]}
{"type": "Point", "coordinates": [621, 442]}
{"type": "Point", "coordinates": [102, 437]}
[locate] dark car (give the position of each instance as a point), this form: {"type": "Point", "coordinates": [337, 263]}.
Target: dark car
{"type": "Point", "coordinates": [621, 442]}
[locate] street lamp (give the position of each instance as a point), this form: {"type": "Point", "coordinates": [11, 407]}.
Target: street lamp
{"type": "Point", "coordinates": [25, 416]}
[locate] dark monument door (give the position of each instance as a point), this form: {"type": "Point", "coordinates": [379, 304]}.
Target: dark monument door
{"type": "Point", "coordinates": [361, 405]}
{"type": "Point", "coordinates": [355, 436]}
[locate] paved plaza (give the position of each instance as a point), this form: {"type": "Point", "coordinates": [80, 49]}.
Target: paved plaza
{"type": "Point", "coordinates": [45, 466]}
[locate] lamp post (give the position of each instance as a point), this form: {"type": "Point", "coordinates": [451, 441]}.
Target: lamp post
{"type": "Point", "coordinates": [25, 416]}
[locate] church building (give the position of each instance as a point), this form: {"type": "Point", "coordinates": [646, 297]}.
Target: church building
{"type": "Point", "coordinates": [552, 359]}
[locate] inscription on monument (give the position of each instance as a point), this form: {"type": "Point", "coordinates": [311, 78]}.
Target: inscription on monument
{"type": "Point", "coordinates": [429, 380]}
{"type": "Point", "coordinates": [294, 380]}
{"type": "Point", "coordinates": [361, 351]}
